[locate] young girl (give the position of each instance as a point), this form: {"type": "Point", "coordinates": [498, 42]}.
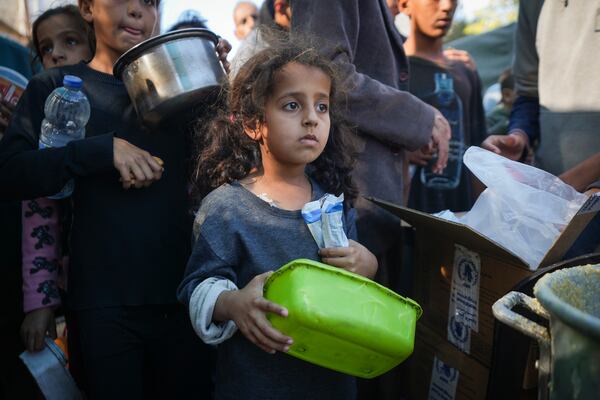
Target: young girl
{"type": "Point", "coordinates": [60, 36]}
{"type": "Point", "coordinates": [128, 248]}
{"type": "Point", "coordinates": [279, 146]}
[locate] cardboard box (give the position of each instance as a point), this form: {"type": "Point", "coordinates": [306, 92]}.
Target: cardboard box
{"type": "Point", "coordinates": [438, 370]}
{"type": "Point", "coordinates": [441, 244]}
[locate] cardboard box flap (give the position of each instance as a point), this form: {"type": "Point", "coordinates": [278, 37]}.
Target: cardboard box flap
{"type": "Point", "coordinates": [458, 232]}
{"type": "Point", "coordinates": [572, 231]}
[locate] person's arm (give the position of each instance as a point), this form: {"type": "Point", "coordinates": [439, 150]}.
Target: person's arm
{"type": "Point", "coordinates": [25, 171]}
{"type": "Point", "coordinates": [523, 130]}
{"type": "Point", "coordinates": [40, 248]}
{"type": "Point", "coordinates": [526, 61]}
{"type": "Point", "coordinates": [524, 121]}
{"type": "Point", "coordinates": [525, 118]}
{"type": "Point", "coordinates": [390, 115]}
{"type": "Point", "coordinates": [584, 175]}
{"type": "Point", "coordinates": [40, 245]}
{"type": "Point", "coordinates": [217, 308]}
{"type": "Point", "coordinates": [201, 307]}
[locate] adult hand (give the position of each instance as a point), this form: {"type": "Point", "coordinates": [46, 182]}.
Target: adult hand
{"type": "Point", "coordinates": [247, 308]}
{"type": "Point", "coordinates": [35, 326]}
{"type": "Point", "coordinates": [462, 56]}
{"type": "Point", "coordinates": [510, 146]}
{"type": "Point", "coordinates": [136, 166]}
{"type": "Point", "coordinates": [440, 138]}
{"type": "Point", "coordinates": [223, 48]}
{"type": "Point", "coordinates": [355, 258]}
{"type": "Point", "coordinates": [419, 157]}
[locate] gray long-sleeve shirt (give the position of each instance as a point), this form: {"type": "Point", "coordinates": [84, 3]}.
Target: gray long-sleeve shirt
{"type": "Point", "coordinates": [239, 236]}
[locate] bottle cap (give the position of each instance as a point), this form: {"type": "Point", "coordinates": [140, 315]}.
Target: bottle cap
{"type": "Point", "coordinates": [72, 81]}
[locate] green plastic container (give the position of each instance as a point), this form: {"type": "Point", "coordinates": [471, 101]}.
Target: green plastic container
{"type": "Point", "coordinates": [340, 320]}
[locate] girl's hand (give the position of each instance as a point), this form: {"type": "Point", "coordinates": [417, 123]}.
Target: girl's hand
{"type": "Point", "coordinates": [136, 166]}
{"type": "Point", "coordinates": [247, 307]}
{"type": "Point", "coordinates": [223, 48]}
{"type": "Point", "coordinates": [355, 258]}
{"type": "Point", "coordinates": [35, 326]}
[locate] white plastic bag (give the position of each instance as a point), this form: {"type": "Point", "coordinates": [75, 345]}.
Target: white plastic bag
{"type": "Point", "coordinates": [524, 209]}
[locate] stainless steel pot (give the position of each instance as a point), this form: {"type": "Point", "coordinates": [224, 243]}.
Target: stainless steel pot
{"type": "Point", "coordinates": [171, 73]}
{"type": "Point", "coordinates": [569, 364]}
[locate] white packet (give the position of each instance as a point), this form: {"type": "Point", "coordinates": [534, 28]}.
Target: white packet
{"type": "Point", "coordinates": [332, 214]}
{"type": "Point", "coordinates": [311, 212]}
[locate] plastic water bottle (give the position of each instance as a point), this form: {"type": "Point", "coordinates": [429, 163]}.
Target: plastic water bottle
{"type": "Point", "coordinates": [447, 102]}
{"type": "Point", "coordinates": [66, 111]}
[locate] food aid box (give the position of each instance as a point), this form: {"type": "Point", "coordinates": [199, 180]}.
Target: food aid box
{"type": "Point", "coordinates": [439, 371]}
{"type": "Point", "coordinates": [459, 274]}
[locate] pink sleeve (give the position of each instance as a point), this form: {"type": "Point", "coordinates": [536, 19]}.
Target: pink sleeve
{"type": "Point", "coordinates": [41, 248]}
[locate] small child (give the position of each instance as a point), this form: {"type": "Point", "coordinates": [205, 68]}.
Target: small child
{"type": "Point", "coordinates": [129, 237]}
{"type": "Point", "coordinates": [498, 118]}
{"type": "Point", "coordinates": [429, 23]}
{"type": "Point", "coordinates": [278, 146]}
{"type": "Point", "coordinates": [60, 36]}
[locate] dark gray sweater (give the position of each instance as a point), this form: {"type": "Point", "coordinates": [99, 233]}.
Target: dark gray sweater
{"type": "Point", "coordinates": [239, 236]}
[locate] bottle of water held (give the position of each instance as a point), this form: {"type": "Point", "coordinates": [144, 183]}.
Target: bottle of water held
{"type": "Point", "coordinates": [66, 111]}
{"type": "Point", "coordinates": [447, 102]}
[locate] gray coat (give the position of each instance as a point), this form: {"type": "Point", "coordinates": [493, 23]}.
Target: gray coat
{"type": "Point", "coordinates": [360, 36]}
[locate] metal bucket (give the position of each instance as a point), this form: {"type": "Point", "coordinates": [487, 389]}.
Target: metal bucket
{"type": "Point", "coordinates": [569, 364]}
{"type": "Point", "coordinates": [170, 73]}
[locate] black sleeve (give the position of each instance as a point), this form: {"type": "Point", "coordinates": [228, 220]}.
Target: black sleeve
{"type": "Point", "coordinates": [25, 171]}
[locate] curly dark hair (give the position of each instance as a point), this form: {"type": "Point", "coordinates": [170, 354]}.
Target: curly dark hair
{"type": "Point", "coordinates": [69, 10]}
{"type": "Point", "coordinates": [226, 153]}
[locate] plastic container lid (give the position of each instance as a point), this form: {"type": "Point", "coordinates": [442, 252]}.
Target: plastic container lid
{"type": "Point", "coordinates": [13, 76]}
{"type": "Point", "coordinates": [340, 320]}
{"type": "Point", "coordinates": [72, 82]}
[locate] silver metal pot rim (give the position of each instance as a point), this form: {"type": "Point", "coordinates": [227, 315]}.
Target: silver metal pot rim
{"type": "Point", "coordinates": [139, 49]}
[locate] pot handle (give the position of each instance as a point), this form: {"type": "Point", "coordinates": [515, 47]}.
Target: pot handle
{"type": "Point", "coordinates": [502, 310]}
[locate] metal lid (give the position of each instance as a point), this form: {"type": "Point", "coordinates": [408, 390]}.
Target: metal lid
{"type": "Point", "coordinates": [140, 48]}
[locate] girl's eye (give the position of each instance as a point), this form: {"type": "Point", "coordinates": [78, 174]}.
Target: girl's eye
{"type": "Point", "coordinates": [291, 106]}
{"type": "Point", "coordinates": [323, 107]}
{"type": "Point", "coordinates": [72, 42]}
{"type": "Point", "coordinates": [46, 50]}
{"type": "Point", "coordinates": [149, 2]}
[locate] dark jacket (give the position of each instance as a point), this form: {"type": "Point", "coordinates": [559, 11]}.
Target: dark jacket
{"type": "Point", "coordinates": [361, 38]}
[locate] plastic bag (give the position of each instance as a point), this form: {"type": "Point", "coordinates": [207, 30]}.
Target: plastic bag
{"type": "Point", "coordinates": [524, 209]}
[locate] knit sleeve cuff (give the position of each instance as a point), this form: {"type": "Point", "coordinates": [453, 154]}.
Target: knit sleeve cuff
{"type": "Point", "coordinates": [202, 305]}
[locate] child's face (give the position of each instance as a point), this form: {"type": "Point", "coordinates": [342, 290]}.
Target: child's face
{"type": "Point", "coordinates": [296, 126]}
{"type": "Point", "coordinates": [61, 41]}
{"type": "Point", "coordinates": [120, 24]}
{"type": "Point", "coordinates": [431, 18]}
